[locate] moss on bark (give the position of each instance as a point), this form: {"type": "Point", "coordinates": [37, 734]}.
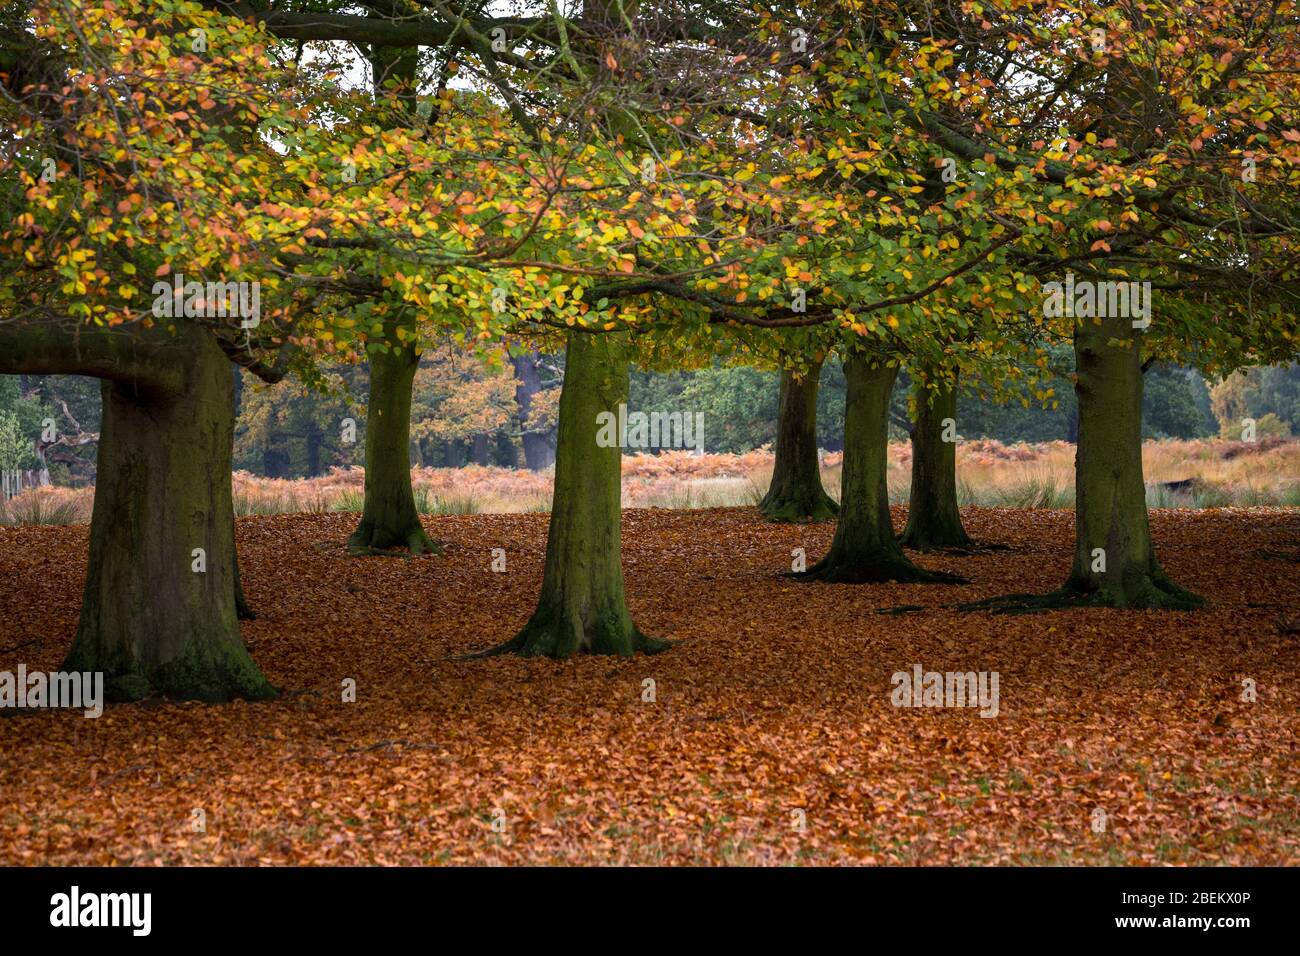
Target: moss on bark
{"type": "Point", "coordinates": [1114, 559]}
{"type": "Point", "coordinates": [796, 493]}
{"type": "Point", "coordinates": [865, 548]}
{"type": "Point", "coordinates": [1110, 493]}
{"type": "Point", "coordinates": [583, 608]}
{"type": "Point", "coordinates": [389, 518]}
{"type": "Point", "coordinates": [933, 516]}
{"type": "Point", "coordinates": [149, 620]}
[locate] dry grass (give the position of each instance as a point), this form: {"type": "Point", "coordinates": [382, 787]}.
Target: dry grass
{"type": "Point", "coordinates": [990, 474]}
{"type": "Point", "coordinates": [48, 505]}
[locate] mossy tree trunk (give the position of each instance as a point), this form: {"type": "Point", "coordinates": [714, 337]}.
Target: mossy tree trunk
{"type": "Point", "coordinates": [149, 620]}
{"type": "Point", "coordinates": [933, 516]}
{"type": "Point", "coordinates": [242, 607]}
{"type": "Point", "coordinates": [538, 453]}
{"type": "Point", "coordinates": [389, 518]}
{"type": "Point", "coordinates": [865, 548]}
{"type": "Point", "coordinates": [796, 493]}
{"type": "Point", "coordinates": [582, 608]}
{"type": "Point", "coordinates": [1114, 560]}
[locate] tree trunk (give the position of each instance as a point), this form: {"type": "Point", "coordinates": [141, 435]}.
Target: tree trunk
{"type": "Point", "coordinates": [582, 606]}
{"type": "Point", "coordinates": [865, 548]}
{"type": "Point", "coordinates": [149, 621]}
{"type": "Point", "coordinates": [1114, 559]}
{"type": "Point", "coordinates": [539, 453]}
{"type": "Point", "coordinates": [933, 517]}
{"type": "Point", "coordinates": [796, 493]}
{"type": "Point", "coordinates": [388, 517]}
{"type": "Point", "coordinates": [314, 437]}
{"type": "Point", "coordinates": [275, 463]}
{"type": "Point", "coordinates": [243, 609]}
{"type": "Point", "coordinates": [481, 449]}
{"type": "Point", "coordinates": [507, 453]}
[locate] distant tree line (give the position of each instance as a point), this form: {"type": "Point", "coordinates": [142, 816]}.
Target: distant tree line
{"type": "Point", "coordinates": [468, 411]}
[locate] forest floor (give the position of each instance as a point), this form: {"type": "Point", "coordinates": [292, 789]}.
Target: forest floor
{"type": "Point", "coordinates": [771, 738]}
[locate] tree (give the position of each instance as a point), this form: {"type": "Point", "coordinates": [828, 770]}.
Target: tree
{"type": "Point", "coordinates": [582, 607]}
{"type": "Point", "coordinates": [292, 429]}
{"type": "Point", "coordinates": [1256, 394]}
{"type": "Point", "coordinates": [737, 402]}
{"type": "Point", "coordinates": [865, 548]}
{"type": "Point", "coordinates": [159, 610]}
{"type": "Point", "coordinates": [796, 493]}
{"type": "Point", "coordinates": [537, 409]}
{"type": "Point", "coordinates": [933, 516]}
{"type": "Point", "coordinates": [96, 201]}
{"type": "Point", "coordinates": [95, 198]}
{"type": "Point", "coordinates": [19, 427]}
{"type": "Point", "coordinates": [665, 252]}
{"type": "Point", "coordinates": [389, 518]}
{"type": "Point", "coordinates": [15, 449]}
{"type": "Point", "coordinates": [1160, 193]}
{"type": "Point", "coordinates": [1169, 403]}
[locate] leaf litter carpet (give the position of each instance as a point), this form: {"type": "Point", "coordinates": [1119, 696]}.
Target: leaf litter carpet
{"type": "Point", "coordinates": [1121, 737]}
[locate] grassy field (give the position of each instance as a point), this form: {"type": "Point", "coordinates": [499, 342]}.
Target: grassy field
{"type": "Point", "coordinates": [990, 474]}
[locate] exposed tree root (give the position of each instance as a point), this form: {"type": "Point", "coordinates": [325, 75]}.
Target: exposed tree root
{"type": "Point", "coordinates": [545, 640]}
{"type": "Point", "coordinates": [1159, 594]}
{"type": "Point", "coordinates": [799, 509]}
{"type": "Point", "coordinates": [875, 570]}
{"type": "Point", "coordinates": [963, 550]}
{"type": "Point", "coordinates": [368, 542]}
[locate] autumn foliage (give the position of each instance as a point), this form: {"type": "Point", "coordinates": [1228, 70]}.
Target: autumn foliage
{"type": "Point", "coordinates": [670, 185]}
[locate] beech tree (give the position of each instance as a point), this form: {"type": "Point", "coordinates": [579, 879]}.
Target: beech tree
{"type": "Point", "coordinates": [1170, 172]}
{"type": "Point", "coordinates": [677, 257]}
{"type": "Point", "coordinates": [626, 181]}
{"type": "Point", "coordinates": [1124, 145]}
{"type": "Point", "coordinates": [933, 514]}
{"type": "Point", "coordinates": [533, 72]}
{"type": "Point", "coordinates": [796, 492]}
{"type": "Point", "coordinates": [582, 607]}
{"type": "Point", "coordinates": [389, 517]}
{"type": "Point", "coordinates": [461, 397]}
{"type": "Point", "coordinates": [98, 200]}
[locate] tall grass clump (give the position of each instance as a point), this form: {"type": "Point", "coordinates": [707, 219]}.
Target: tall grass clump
{"type": "Point", "coordinates": [1044, 489]}
{"type": "Point", "coordinates": [46, 506]}
{"type": "Point", "coordinates": [350, 500]}
{"type": "Point", "coordinates": [428, 503]}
